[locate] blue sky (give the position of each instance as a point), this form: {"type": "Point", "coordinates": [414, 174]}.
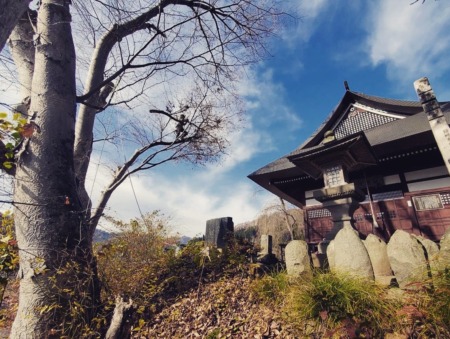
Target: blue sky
{"type": "Point", "coordinates": [379, 47]}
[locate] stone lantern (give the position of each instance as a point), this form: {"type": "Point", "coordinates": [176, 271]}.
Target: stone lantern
{"type": "Point", "coordinates": [334, 160]}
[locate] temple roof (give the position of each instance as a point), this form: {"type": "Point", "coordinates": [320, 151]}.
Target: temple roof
{"type": "Point", "coordinates": [388, 125]}
{"type": "Point", "coordinates": [401, 108]}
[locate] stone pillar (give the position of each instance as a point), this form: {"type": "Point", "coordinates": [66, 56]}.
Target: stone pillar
{"type": "Point", "coordinates": [266, 244]}
{"type": "Point", "coordinates": [436, 118]}
{"type": "Point", "coordinates": [266, 256]}
{"type": "Point", "coordinates": [341, 201]}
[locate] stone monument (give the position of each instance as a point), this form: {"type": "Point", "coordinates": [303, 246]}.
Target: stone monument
{"type": "Point", "coordinates": [218, 231]}
{"type": "Point", "coordinates": [297, 258]}
{"type": "Point", "coordinates": [407, 258]}
{"type": "Point", "coordinates": [350, 254]}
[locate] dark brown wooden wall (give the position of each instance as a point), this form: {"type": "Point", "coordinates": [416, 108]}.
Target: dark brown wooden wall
{"type": "Point", "coordinates": [391, 215]}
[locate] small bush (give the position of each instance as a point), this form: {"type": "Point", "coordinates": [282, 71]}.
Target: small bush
{"type": "Point", "coordinates": [272, 288]}
{"type": "Point", "coordinates": [139, 263]}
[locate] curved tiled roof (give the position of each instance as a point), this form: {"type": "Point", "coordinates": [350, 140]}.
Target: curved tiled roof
{"type": "Point", "coordinates": [415, 123]}
{"type": "Point", "coordinates": [400, 107]}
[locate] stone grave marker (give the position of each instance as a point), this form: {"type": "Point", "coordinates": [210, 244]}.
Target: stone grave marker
{"type": "Point", "coordinates": [407, 258]}
{"type": "Point", "coordinates": [266, 256]}
{"type": "Point", "coordinates": [297, 258]}
{"type": "Point", "coordinates": [266, 244]}
{"type": "Point", "coordinates": [377, 250]}
{"type": "Point", "coordinates": [350, 254]}
{"type": "Point", "coordinates": [218, 231]}
{"type": "Point", "coordinates": [444, 252]}
{"type": "Point", "coordinates": [330, 255]}
{"type": "Point", "coordinates": [431, 250]}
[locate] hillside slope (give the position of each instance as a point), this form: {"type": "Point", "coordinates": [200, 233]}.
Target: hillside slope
{"type": "Point", "coordinates": [223, 309]}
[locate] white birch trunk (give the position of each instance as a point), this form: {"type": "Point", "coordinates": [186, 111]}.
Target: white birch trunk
{"type": "Point", "coordinates": [22, 51]}
{"type": "Point", "coordinates": [10, 13]}
{"type": "Point", "coordinates": [49, 231]}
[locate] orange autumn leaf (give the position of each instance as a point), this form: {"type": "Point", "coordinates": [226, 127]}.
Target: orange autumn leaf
{"type": "Point", "coordinates": [27, 130]}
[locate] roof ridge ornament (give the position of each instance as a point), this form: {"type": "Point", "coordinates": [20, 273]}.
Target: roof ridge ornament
{"type": "Point", "coordinates": [347, 88]}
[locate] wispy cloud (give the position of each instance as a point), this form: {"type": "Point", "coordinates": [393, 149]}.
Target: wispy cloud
{"type": "Point", "coordinates": [267, 102]}
{"type": "Point", "coordinates": [309, 15]}
{"type": "Point", "coordinates": [410, 40]}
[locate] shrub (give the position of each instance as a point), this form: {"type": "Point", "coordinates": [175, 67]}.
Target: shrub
{"type": "Point", "coordinates": [131, 259]}
{"type": "Point", "coordinates": [140, 263]}
{"type": "Point", "coordinates": [331, 302]}
{"type": "Point", "coordinates": [272, 288]}
{"type": "Point", "coordinates": [8, 250]}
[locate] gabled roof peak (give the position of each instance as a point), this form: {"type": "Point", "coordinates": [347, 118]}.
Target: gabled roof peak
{"type": "Point", "coordinates": [395, 107]}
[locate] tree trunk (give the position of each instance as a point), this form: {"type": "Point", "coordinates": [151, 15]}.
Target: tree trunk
{"type": "Point", "coordinates": [22, 49]}
{"type": "Point", "coordinates": [118, 328]}
{"type": "Point", "coordinates": [10, 13]}
{"type": "Point", "coordinates": [50, 225]}
{"type": "Point", "coordinates": [286, 219]}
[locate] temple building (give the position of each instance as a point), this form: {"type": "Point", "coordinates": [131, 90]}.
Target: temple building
{"type": "Point", "coordinates": [373, 163]}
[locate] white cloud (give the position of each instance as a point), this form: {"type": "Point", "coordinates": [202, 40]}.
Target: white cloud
{"type": "Point", "coordinates": [411, 40]}
{"type": "Point", "coordinates": [309, 14]}
{"type": "Point", "coordinates": [189, 200]}
{"type": "Point", "coordinates": [267, 99]}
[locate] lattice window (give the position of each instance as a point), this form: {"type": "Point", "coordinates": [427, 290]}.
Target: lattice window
{"type": "Point", "coordinates": [334, 176]}
{"type": "Point", "coordinates": [445, 197]}
{"type": "Point", "coordinates": [321, 213]}
{"type": "Point", "coordinates": [362, 121]}
{"type": "Point", "coordinates": [388, 195]}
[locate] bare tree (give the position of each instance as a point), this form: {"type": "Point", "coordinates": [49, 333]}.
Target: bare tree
{"type": "Point", "coordinates": [282, 223]}
{"type": "Point", "coordinates": [193, 49]}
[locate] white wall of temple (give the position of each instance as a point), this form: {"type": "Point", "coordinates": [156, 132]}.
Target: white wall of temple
{"type": "Point", "coordinates": [431, 178]}
{"type": "Point", "coordinates": [429, 184]}
{"type": "Point", "coordinates": [391, 179]}
{"type": "Point", "coordinates": [426, 173]}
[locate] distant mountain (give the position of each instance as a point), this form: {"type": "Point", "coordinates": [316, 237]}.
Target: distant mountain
{"type": "Point", "coordinates": [101, 236]}
{"type": "Point", "coordinates": [184, 239]}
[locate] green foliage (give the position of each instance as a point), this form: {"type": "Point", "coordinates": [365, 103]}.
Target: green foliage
{"type": "Point", "coordinates": [133, 257]}
{"type": "Point", "coordinates": [272, 287]}
{"type": "Point", "coordinates": [332, 301]}
{"type": "Point", "coordinates": [328, 304]}
{"type": "Point", "coordinates": [9, 258]}
{"type": "Point", "coordinates": [12, 131]}
{"type": "Point", "coordinates": [8, 245]}
{"type": "Point", "coordinates": [249, 233]}
{"type": "Point", "coordinates": [439, 300]}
